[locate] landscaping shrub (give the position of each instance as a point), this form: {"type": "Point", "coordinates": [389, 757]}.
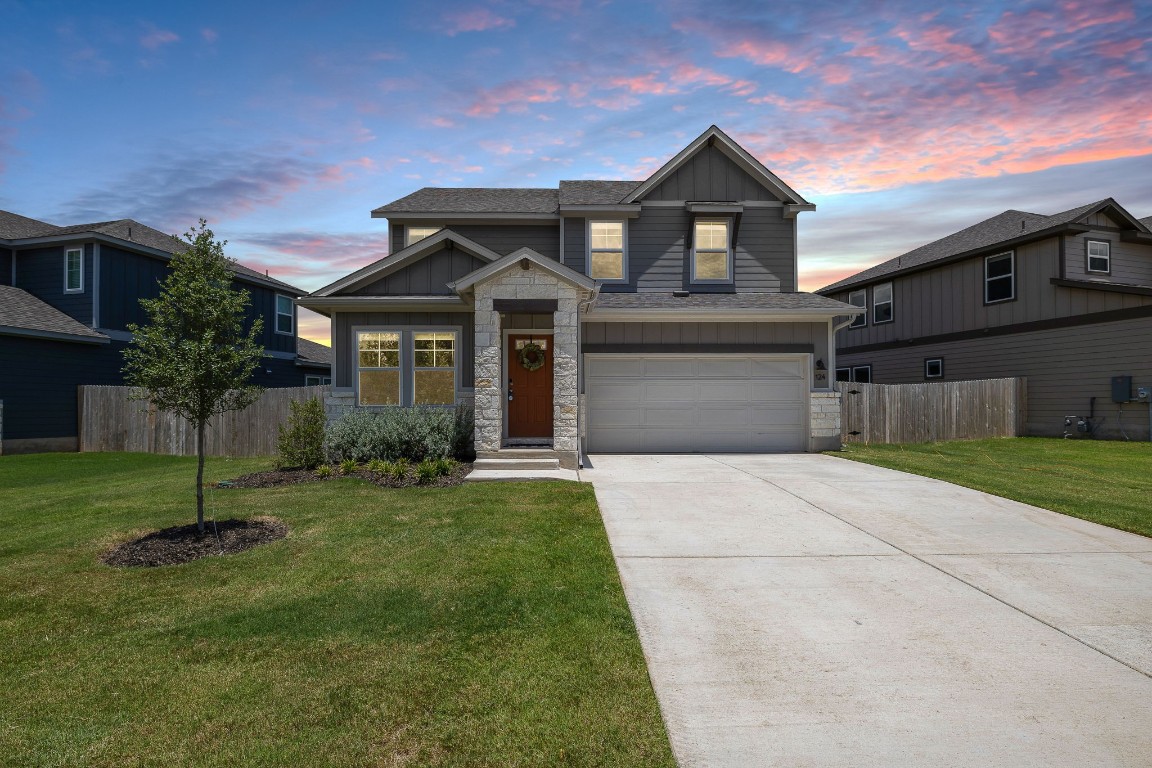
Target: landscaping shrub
{"type": "Point", "coordinates": [413, 434]}
{"type": "Point", "coordinates": [301, 441]}
{"type": "Point", "coordinates": [426, 471]}
{"type": "Point", "coordinates": [349, 467]}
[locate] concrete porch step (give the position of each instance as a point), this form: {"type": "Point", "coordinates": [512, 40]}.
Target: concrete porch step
{"type": "Point", "coordinates": [513, 452]}
{"type": "Point", "coordinates": [518, 463]}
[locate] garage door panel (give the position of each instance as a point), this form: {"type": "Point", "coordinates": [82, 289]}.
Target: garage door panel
{"type": "Point", "coordinates": [682, 404]}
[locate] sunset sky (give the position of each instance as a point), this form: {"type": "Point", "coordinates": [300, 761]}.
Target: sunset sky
{"type": "Point", "coordinates": [285, 128]}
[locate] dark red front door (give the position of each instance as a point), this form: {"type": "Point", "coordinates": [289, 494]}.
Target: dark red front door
{"type": "Point", "coordinates": [530, 391]}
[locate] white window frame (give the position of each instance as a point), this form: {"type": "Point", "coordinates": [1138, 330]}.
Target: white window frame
{"type": "Point", "coordinates": [847, 370]}
{"type": "Point", "coordinates": [1010, 276]}
{"type": "Point", "coordinates": [313, 380]}
{"type": "Point", "coordinates": [1089, 256]}
{"type": "Point", "coordinates": [861, 294]}
{"type": "Point", "coordinates": [408, 230]}
{"type": "Point", "coordinates": [727, 222]}
{"type": "Point", "coordinates": [290, 315]}
{"type": "Point", "coordinates": [407, 366]}
{"type": "Point", "coordinates": [867, 367]}
{"type": "Point", "coordinates": [929, 361]}
{"type": "Point", "coordinates": [877, 303]}
{"type": "Point", "coordinates": [623, 250]}
{"type": "Point", "coordinates": [67, 256]}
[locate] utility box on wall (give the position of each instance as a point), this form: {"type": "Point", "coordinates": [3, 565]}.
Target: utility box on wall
{"type": "Point", "coordinates": [1121, 389]}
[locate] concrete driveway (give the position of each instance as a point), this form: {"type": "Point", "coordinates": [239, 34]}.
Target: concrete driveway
{"type": "Point", "coordinates": [804, 610]}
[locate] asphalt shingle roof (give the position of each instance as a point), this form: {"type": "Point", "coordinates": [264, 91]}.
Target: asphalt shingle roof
{"type": "Point", "coordinates": [20, 309]}
{"type": "Point", "coordinates": [595, 191]}
{"type": "Point", "coordinates": [1004, 226]}
{"type": "Point", "coordinates": [309, 352]}
{"type": "Point", "coordinates": [434, 200]}
{"type": "Point", "coordinates": [13, 226]}
{"type": "Point", "coordinates": [780, 301]}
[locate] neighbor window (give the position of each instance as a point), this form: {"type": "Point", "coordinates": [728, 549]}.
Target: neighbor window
{"type": "Point", "coordinates": [416, 234]}
{"type": "Point", "coordinates": [407, 367]}
{"type": "Point", "coordinates": [379, 367]}
{"type": "Point", "coordinates": [859, 299]}
{"type": "Point", "coordinates": [316, 381]}
{"type": "Point", "coordinates": [1099, 256]}
{"type": "Point", "coordinates": [861, 374]}
{"type": "Point", "coordinates": [882, 303]}
{"type": "Point", "coordinates": [74, 270]}
{"type": "Point", "coordinates": [285, 314]}
{"type": "Point", "coordinates": [711, 255]}
{"type": "Point", "coordinates": [606, 250]}
{"type": "Point", "coordinates": [934, 368]}
{"type": "Point", "coordinates": [434, 363]}
{"type": "Point", "coordinates": [1000, 277]}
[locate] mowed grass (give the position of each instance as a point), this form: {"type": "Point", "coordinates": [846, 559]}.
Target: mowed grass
{"type": "Point", "coordinates": [481, 625]}
{"type": "Point", "coordinates": [1102, 481]}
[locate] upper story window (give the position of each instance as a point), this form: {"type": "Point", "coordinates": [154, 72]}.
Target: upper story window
{"type": "Point", "coordinates": [285, 314]}
{"type": "Point", "coordinates": [859, 299]}
{"type": "Point", "coordinates": [416, 234]}
{"type": "Point", "coordinates": [1099, 256]}
{"type": "Point", "coordinates": [882, 303]}
{"type": "Point", "coordinates": [1000, 277]}
{"type": "Point", "coordinates": [74, 270]}
{"type": "Point", "coordinates": [711, 251]}
{"type": "Point", "coordinates": [606, 251]}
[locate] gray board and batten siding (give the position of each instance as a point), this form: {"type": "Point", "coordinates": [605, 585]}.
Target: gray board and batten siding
{"type": "Point", "coordinates": [428, 276]}
{"type": "Point", "coordinates": [710, 175]}
{"type": "Point", "coordinates": [40, 272]}
{"type": "Point", "coordinates": [1065, 368]}
{"type": "Point", "coordinates": [344, 340]}
{"type": "Point", "coordinates": [501, 238]}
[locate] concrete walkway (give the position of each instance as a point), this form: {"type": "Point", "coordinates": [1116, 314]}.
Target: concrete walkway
{"type": "Point", "coordinates": [804, 610]}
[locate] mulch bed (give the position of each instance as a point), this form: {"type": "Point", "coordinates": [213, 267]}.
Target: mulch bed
{"type": "Point", "coordinates": [182, 543]}
{"type": "Point", "coordinates": [277, 477]}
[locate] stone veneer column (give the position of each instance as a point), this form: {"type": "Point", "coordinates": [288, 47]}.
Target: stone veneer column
{"type": "Point", "coordinates": [824, 421]}
{"type": "Point", "coordinates": [488, 405]}
{"type": "Point", "coordinates": [564, 359]}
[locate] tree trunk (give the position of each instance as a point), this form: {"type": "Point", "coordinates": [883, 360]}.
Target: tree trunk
{"type": "Point", "coordinates": [200, 478]}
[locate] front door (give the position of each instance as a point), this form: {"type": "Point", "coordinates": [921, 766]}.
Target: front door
{"type": "Point", "coordinates": [530, 386]}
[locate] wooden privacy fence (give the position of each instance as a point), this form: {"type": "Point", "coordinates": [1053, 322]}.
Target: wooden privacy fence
{"type": "Point", "coordinates": [925, 413]}
{"type": "Point", "coordinates": [111, 421]}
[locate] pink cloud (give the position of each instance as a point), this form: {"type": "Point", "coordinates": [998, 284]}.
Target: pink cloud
{"type": "Point", "coordinates": [515, 96]}
{"type": "Point", "coordinates": [209, 35]}
{"type": "Point", "coordinates": [473, 20]}
{"type": "Point", "coordinates": [154, 38]}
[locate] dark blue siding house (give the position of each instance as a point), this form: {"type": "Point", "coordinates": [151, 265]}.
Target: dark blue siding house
{"type": "Point", "coordinates": [67, 295]}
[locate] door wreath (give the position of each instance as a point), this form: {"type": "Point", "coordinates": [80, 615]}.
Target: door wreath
{"type": "Point", "coordinates": [532, 356]}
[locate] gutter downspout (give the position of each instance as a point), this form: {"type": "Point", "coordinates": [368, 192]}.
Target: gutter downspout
{"type": "Point", "coordinates": [832, 350]}
{"type": "Point", "coordinates": [581, 309]}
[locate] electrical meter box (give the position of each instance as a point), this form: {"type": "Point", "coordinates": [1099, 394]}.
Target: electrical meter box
{"type": "Point", "coordinates": [1121, 389]}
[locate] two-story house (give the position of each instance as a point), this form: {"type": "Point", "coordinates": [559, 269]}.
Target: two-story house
{"type": "Point", "coordinates": [67, 295]}
{"type": "Point", "coordinates": [659, 315]}
{"type": "Point", "coordinates": [1065, 300]}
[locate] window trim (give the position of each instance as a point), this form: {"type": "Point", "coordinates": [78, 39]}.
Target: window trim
{"type": "Point", "coordinates": [589, 250]}
{"type": "Point", "coordinates": [1012, 275]}
{"type": "Point", "coordinates": [67, 253]}
{"type": "Point", "coordinates": [279, 314]}
{"type": "Point", "coordinates": [847, 369]}
{"type": "Point", "coordinates": [320, 380]}
{"type": "Point", "coordinates": [867, 367]}
{"type": "Point", "coordinates": [930, 360]}
{"type": "Point", "coordinates": [408, 233]}
{"type": "Point", "coordinates": [1088, 256]}
{"type": "Point", "coordinates": [456, 343]}
{"type": "Point", "coordinates": [727, 222]}
{"type": "Point", "coordinates": [407, 366]}
{"type": "Point", "coordinates": [891, 302]}
{"type": "Point", "coordinates": [357, 368]}
{"type": "Point", "coordinates": [861, 320]}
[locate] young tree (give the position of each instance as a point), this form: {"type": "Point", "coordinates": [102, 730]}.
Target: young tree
{"type": "Point", "coordinates": [193, 357]}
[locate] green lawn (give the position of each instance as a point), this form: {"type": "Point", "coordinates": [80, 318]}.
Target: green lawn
{"type": "Point", "coordinates": [1103, 481]}
{"type": "Point", "coordinates": [481, 625]}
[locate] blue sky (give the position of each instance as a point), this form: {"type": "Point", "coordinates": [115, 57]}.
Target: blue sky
{"type": "Point", "coordinates": [285, 129]}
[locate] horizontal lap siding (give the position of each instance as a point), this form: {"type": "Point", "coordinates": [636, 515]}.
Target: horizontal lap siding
{"type": "Point", "coordinates": [343, 342]}
{"type": "Point", "coordinates": [656, 334]}
{"type": "Point", "coordinates": [429, 276]}
{"type": "Point", "coordinates": [40, 272]}
{"type": "Point", "coordinates": [1065, 368]}
{"type": "Point", "coordinates": [656, 251]}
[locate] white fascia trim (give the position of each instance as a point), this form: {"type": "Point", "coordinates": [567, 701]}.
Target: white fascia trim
{"type": "Point", "coordinates": [557, 269]}
{"type": "Point", "coordinates": [735, 152]}
{"type": "Point", "coordinates": [415, 252]}
{"type": "Point", "coordinates": [710, 315]}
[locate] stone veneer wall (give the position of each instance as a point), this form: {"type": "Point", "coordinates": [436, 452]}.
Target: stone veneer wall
{"type": "Point", "coordinates": [531, 283]}
{"type": "Point", "coordinates": [824, 421]}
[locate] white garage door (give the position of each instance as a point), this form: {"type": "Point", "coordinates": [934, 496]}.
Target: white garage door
{"type": "Point", "coordinates": [674, 403]}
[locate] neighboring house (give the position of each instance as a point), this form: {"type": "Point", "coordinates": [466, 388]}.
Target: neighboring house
{"type": "Point", "coordinates": [67, 295]}
{"type": "Point", "coordinates": [598, 316]}
{"type": "Point", "coordinates": [1065, 300]}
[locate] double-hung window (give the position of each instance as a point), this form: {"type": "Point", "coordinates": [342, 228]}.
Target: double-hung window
{"type": "Point", "coordinates": [285, 314]}
{"type": "Point", "coordinates": [416, 234]}
{"type": "Point", "coordinates": [882, 303]}
{"type": "Point", "coordinates": [859, 299]}
{"type": "Point", "coordinates": [406, 366]}
{"type": "Point", "coordinates": [1000, 277]}
{"type": "Point", "coordinates": [711, 251]}
{"type": "Point", "coordinates": [606, 253]}
{"type": "Point", "coordinates": [74, 270]}
{"type": "Point", "coordinates": [1099, 256]}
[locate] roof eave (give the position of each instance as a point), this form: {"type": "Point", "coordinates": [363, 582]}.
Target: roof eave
{"type": "Point", "coordinates": [325, 305]}
{"type": "Point", "coordinates": [465, 217]}
{"type": "Point", "coordinates": [36, 333]}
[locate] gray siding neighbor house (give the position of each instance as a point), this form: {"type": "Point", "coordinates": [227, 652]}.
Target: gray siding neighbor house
{"type": "Point", "coordinates": [1065, 300]}
{"type": "Point", "coordinates": [67, 295]}
{"type": "Point", "coordinates": [658, 315]}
